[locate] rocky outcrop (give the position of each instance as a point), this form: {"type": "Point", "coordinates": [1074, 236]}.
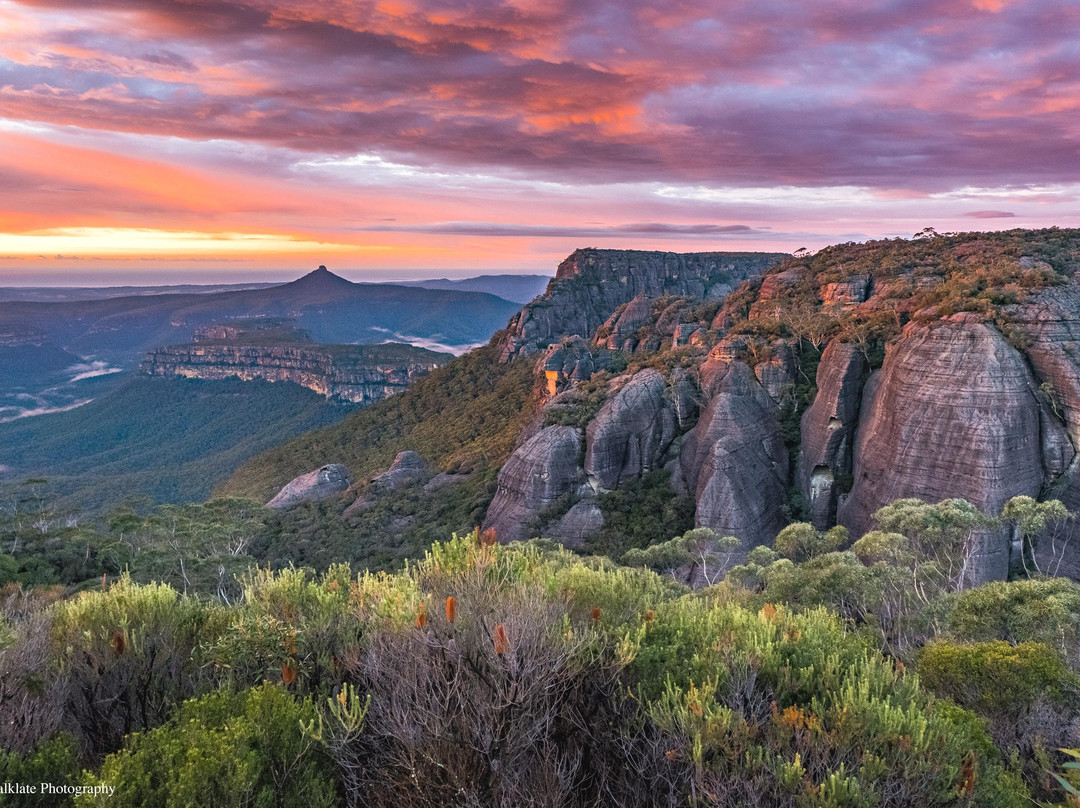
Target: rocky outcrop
{"type": "Point", "coordinates": [954, 412]}
{"type": "Point", "coordinates": [538, 473]}
{"type": "Point", "coordinates": [777, 373]}
{"type": "Point", "coordinates": [734, 462]}
{"type": "Point", "coordinates": [619, 332]}
{"type": "Point", "coordinates": [591, 284]}
{"type": "Point", "coordinates": [408, 468]}
{"type": "Point", "coordinates": [1051, 329]}
{"type": "Point", "coordinates": [630, 434]}
{"type": "Point", "coordinates": [828, 430]}
{"type": "Point", "coordinates": [567, 362]}
{"type": "Point", "coordinates": [582, 521]}
{"type": "Point", "coordinates": [360, 374]}
{"type": "Point", "coordinates": [323, 483]}
{"type": "Point", "coordinates": [848, 292]}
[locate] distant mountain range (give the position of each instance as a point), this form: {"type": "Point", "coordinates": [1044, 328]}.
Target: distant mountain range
{"type": "Point", "coordinates": [51, 349]}
{"type": "Point", "coordinates": [330, 308]}
{"type": "Point", "coordinates": [518, 288]}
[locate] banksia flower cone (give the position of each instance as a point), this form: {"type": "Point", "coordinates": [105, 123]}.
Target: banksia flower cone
{"type": "Point", "coordinates": [487, 538]}
{"type": "Point", "coordinates": [421, 616]}
{"type": "Point", "coordinates": [451, 609]}
{"type": "Point", "coordinates": [595, 613]}
{"type": "Point", "coordinates": [118, 643]}
{"type": "Point", "coordinates": [288, 673]}
{"type": "Point", "coordinates": [967, 776]}
{"type": "Point", "coordinates": [501, 643]}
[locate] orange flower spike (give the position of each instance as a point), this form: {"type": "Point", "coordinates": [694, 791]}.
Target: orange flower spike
{"type": "Point", "coordinates": [288, 673]}
{"type": "Point", "coordinates": [451, 609]}
{"type": "Point", "coordinates": [421, 616]}
{"type": "Point", "coordinates": [487, 538]}
{"type": "Point", "coordinates": [341, 697]}
{"type": "Point", "coordinates": [595, 614]}
{"type": "Point", "coordinates": [768, 611]}
{"type": "Point", "coordinates": [118, 643]}
{"type": "Point", "coordinates": [650, 615]}
{"type": "Point", "coordinates": [967, 776]}
{"type": "Point", "coordinates": [501, 643]}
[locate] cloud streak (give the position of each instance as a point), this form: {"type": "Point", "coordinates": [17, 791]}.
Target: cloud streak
{"type": "Point", "coordinates": [216, 113]}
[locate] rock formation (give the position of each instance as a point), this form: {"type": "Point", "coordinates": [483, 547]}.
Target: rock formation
{"type": "Point", "coordinates": [314, 486]}
{"type": "Point", "coordinates": [407, 469]}
{"type": "Point", "coordinates": [538, 473]}
{"type": "Point", "coordinates": [583, 520]}
{"type": "Point", "coordinates": [828, 430]}
{"type": "Point", "coordinates": [734, 461]}
{"type": "Point", "coordinates": [631, 432]}
{"type": "Point", "coordinates": [591, 284]}
{"type": "Point", "coordinates": [954, 412]}
{"type": "Point", "coordinates": [360, 374]}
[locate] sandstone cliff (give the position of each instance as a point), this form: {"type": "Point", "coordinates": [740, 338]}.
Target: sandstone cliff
{"type": "Point", "coordinates": [591, 284]}
{"type": "Point", "coordinates": [954, 412]}
{"type": "Point", "coordinates": [359, 374]}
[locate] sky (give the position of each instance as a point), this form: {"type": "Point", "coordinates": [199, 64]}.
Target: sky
{"type": "Point", "coordinates": [213, 141]}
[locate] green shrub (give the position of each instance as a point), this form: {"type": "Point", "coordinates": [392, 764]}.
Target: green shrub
{"type": "Point", "coordinates": [1045, 610]}
{"type": "Point", "coordinates": [222, 750]}
{"type": "Point", "coordinates": [129, 655]}
{"type": "Point", "coordinates": [995, 678]}
{"type": "Point", "coordinates": [53, 761]}
{"type": "Point", "coordinates": [775, 708]}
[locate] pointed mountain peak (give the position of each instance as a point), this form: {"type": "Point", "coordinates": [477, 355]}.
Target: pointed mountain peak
{"type": "Point", "coordinates": [321, 277]}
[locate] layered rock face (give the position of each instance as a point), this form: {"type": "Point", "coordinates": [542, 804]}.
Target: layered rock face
{"type": "Point", "coordinates": [591, 284]}
{"type": "Point", "coordinates": [1051, 327]}
{"type": "Point", "coordinates": [734, 461]}
{"type": "Point", "coordinates": [354, 373]}
{"type": "Point", "coordinates": [828, 430]}
{"type": "Point", "coordinates": [631, 432]}
{"type": "Point", "coordinates": [954, 412]}
{"type": "Point", "coordinates": [538, 473]}
{"type": "Point", "coordinates": [323, 483]}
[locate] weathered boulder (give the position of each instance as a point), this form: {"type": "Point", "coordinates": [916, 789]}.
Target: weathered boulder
{"type": "Point", "coordinates": [734, 461]}
{"type": "Point", "coordinates": [583, 520]}
{"type": "Point", "coordinates": [314, 486]}
{"type": "Point", "coordinates": [828, 430]}
{"type": "Point", "coordinates": [539, 471]}
{"type": "Point", "coordinates": [630, 433]}
{"type": "Point", "coordinates": [442, 480]}
{"type": "Point", "coordinates": [685, 398]}
{"type": "Point", "coordinates": [591, 284]}
{"type": "Point", "coordinates": [408, 468]}
{"type": "Point", "coordinates": [775, 287]}
{"type": "Point", "coordinates": [953, 412]}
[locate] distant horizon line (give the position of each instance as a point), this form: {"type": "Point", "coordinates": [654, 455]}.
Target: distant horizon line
{"type": "Point", "coordinates": [138, 279]}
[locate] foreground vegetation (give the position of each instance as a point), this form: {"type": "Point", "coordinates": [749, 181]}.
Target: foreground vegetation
{"type": "Point", "coordinates": [526, 675]}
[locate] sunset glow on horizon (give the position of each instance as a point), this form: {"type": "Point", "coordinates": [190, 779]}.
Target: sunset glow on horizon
{"type": "Point", "coordinates": [231, 140]}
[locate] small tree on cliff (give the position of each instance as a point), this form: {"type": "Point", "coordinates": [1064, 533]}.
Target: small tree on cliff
{"type": "Point", "coordinates": [1034, 522]}
{"type": "Point", "coordinates": [935, 542]}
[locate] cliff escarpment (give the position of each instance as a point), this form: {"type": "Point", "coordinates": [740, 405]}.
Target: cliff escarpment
{"type": "Point", "coordinates": [359, 374]}
{"type": "Point", "coordinates": [937, 368]}
{"type": "Point", "coordinates": [819, 388]}
{"type": "Point", "coordinates": [591, 284]}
